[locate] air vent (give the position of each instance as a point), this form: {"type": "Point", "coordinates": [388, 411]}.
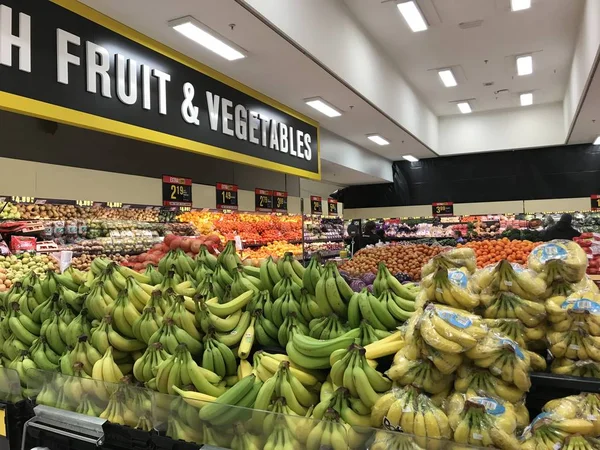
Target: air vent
{"type": "Point", "coordinates": [472, 24]}
{"type": "Point", "coordinates": [488, 83]}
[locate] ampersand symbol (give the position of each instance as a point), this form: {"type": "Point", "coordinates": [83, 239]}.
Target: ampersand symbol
{"type": "Point", "coordinates": [189, 112]}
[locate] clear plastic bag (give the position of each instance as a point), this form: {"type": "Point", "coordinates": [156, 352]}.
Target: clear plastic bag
{"type": "Point", "coordinates": [506, 305]}
{"type": "Point", "coordinates": [508, 277]}
{"type": "Point", "coordinates": [478, 379]}
{"type": "Point", "coordinates": [559, 260]}
{"type": "Point", "coordinates": [424, 372]}
{"type": "Point", "coordinates": [451, 259]}
{"type": "Point", "coordinates": [564, 366]}
{"type": "Point", "coordinates": [449, 287]}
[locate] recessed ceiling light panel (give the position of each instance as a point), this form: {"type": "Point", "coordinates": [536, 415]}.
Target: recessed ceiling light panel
{"type": "Point", "coordinates": [410, 158]}
{"type": "Point", "coordinates": [464, 107]}
{"type": "Point", "coordinates": [323, 107]}
{"type": "Point", "coordinates": [447, 77]}
{"type": "Point", "coordinates": [519, 5]}
{"type": "Point", "coordinates": [378, 139]}
{"type": "Point", "coordinates": [526, 99]}
{"type": "Point", "coordinates": [208, 38]}
{"type": "Point", "coordinates": [525, 65]}
{"type": "Point", "coordinates": [413, 16]}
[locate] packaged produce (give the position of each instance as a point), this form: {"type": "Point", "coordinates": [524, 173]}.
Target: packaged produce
{"type": "Point", "coordinates": [449, 287]}
{"type": "Point", "coordinates": [451, 259]}
{"type": "Point", "coordinates": [564, 288]}
{"type": "Point", "coordinates": [559, 260]}
{"type": "Point", "coordinates": [553, 430]}
{"type": "Point", "coordinates": [506, 305]}
{"type": "Point", "coordinates": [516, 330]}
{"type": "Point", "coordinates": [508, 277]}
{"type": "Point", "coordinates": [432, 373]}
{"type": "Point", "coordinates": [575, 368]}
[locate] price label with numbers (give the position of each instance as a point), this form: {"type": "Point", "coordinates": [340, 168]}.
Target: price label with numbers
{"type": "Point", "coordinates": [280, 201]}
{"type": "Point", "coordinates": [332, 207]}
{"type": "Point", "coordinates": [114, 204]}
{"type": "Point", "coordinates": [176, 191]}
{"type": "Point", "coordinates": [86, 203]}
{"type": "Point", "coordinates": [442, 209]}
{"type": "Point", "coordinates": [263, 200]}
{"type": "Point", "coordinates": [227, 196]}
{"type": "Point", "coordinates": [316, 205]}
{"type": "Point", "coordinates": [595, 202]}
{"type": "Point", "coordinates": [19, 199]}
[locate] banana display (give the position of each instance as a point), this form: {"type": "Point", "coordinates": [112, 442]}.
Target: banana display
{"type": "Point", "coordinates": [189, 331]}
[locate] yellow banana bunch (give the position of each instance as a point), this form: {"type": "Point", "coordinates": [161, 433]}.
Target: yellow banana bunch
{"type": "Point", "coordinates": [411, 412]}
{"type": "Point", "coordinates": [564, 366]}
{"type": "Point", "coordinates": [422, 373]}
{"type": "Point", "coordinates": [559, 260]}
{"type": "Point", "coordinates": [549, 431]}
{"type": "Point", "coordinates": [508, 277]}
{"type": "Point", "coordinates": [386, 346]}
{"type": "Point", "coordinates": [500, 412]}
{"type": "Point", "coordinates": [385, 440]}
{"type": "Point", "coordinates": [474, 425]}
{"type": "Point", "coordinates": [482, 380]}
{"type": "Point", "coordinates": [579, 310]}
{"type": "Point", "coordinates": [267, 365]}
{"type": "Point", "coordinates": [586, 405]}
{"type": "Point", "coordinates": [504, 358]}
{"type": "Point", "coordinates": [450, 330]}
{"type": "Point", "coordinates": [282, 436]}
{"type": "Point", "coordinates": [328, 433]}
{"type": "Point", "coordinates": [448, 288]}
{"type": "Point", "coordinates": [455, 258]}
{"type": "Point", "coordinates": [506, 305]}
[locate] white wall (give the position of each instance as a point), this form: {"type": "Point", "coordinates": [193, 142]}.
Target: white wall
{"type": "Point", "coordinates": [327, 30]}
{"type": "Point", "coordinates": [534, 126]}
{"type": "Point", "coordinates": [585, 54]}
{"type": "Point", "coordinates": [338, 150]}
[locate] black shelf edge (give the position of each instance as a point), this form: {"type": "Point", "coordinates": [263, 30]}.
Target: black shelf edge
{"type": "Point", "coordinates": [565, 382]}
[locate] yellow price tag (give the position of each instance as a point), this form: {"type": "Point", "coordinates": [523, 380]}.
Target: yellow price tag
{"type": "Point", "coordinates": [2, 423]}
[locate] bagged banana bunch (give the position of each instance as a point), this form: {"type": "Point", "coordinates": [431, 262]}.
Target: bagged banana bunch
{"type": "Point", "coordinates": [579, 310]}
{"type": "Point", "coordinates": [385, 440]}
{"type": "Point", "coordinates": [446, 329]}
{"type": "Point", "coordinates": [564, 366]}
{"type": "Point", "coordinates": [482, 380]}
{"type": "Point", "coordinates": [551, 430]}
{"type": "Point", "coordinates": [451, 259]}
{"type": "Point", "coordinates": [424, 373]}
{"type": "Point", "coordinates": [564, 288]}
{"type": "Point", "coordinates": [508, 277]}
{"type": "Point", "coordinates": [483, 422]}
{"type": "Point", "coordinates": [585, 405]}
{"type": "Point", "coordinates": [448, 287]}
{"type": "Point", "coordinates": [516, 330]}
{"type": "Point", "coordinates": [410, 411]}
{"type": "Point", "coordinates": [559, 260]}
{"type": "Point", "coordinates": [506, 305]}
{"type": "Point", "coordinates": [504, 358]}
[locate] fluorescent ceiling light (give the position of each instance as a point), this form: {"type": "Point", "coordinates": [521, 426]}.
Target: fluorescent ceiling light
{"type": "Point", "coordinates": [323, 107]}
{"type": "Point", "coordinates": [210, 39]}
{"type": "Point", "coordinates": [597, 141]}
{"type": "Point", "coordinates": [527, 99]}
{"type": "Point", "coordinates": [464, 107]}
{"type": "Point", "coordinates": [412, 14]}
{"type": "Point", "coordinates": [525, 65]}
{"type": "Point", "coordinates": [410, 158]}
{"type": "Point", "coordinates": [519, 5]}
{"type": "Point", "coordinates": [378, 139]}
{"type": "Point", "coordinates": [447, 77]}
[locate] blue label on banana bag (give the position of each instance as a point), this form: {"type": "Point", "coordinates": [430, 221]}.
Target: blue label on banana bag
{"type": "Point", "coordinates": [512, 344]}
{"type": "Point", "coordinates": [454, 319]}
{"type": "Point", "coordinates": [581, 305]}
{"type": "Point", "coordinates": [491, 406]}
{"type": "Point", "coordinates": [548, 252]}
{"type": "Point", "coordinates": [458, 277]}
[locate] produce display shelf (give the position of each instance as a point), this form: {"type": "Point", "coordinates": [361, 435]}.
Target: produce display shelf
{"type": "Point", "coordinates": [551, 380]}
{"type": "Point", "coordinates": [336, 239]}
{"type": "Point", "coordinates": [324, 254]}
{"type": "Point", "coordinates": [262, 244]}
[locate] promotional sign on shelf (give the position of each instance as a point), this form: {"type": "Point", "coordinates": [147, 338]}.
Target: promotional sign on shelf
{"type": "Point", "coordinates": [176, 191]}
{"type": "Point", "coordinates": [332, 207]}
{"type": "Point", "coordinates": [263, 200]}
{"type": "Point", "coordinates": [280, 203]}
{"type": "Point", "coordinates": [442, 209]}
{"type": "Point", "coordinates": [227, 196]}
{"type": "Point", "coordinates": [595, 202]}
{"type": "Point", "coordinates": [316, 205]}
{"type": "Point", "coordinates": [67, 63]}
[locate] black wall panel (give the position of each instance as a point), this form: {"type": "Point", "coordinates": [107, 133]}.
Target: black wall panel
{"type": "Point", "coordinates": [543, 173]}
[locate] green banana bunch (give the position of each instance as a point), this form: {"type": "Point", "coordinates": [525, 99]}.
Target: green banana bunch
{"type": "Point", "coordinates": [308, 306]}
{"type": "Point", "coordinates": [105, 336]}
{"type": "Point", "coordinates": [259, 300]}
{"type": "Point", "coordinates": [290, 325]}
{"type": "Point", "coordinates": [170, 336]}
{"type": "Point", "coordinates": [50, 330]}
{"type": "Point", "coordinates": [242, 283]}
{"type": "Point", "coordinates": [201, 272]}
{"type": "Point", "coordinates": [14, 293]}
{"type": "Point", "coordinates": [229, 258]}
{"type": "Point", "coordinates": [217, 357]}
{"type": "Point", "coordinates": [46, 309]}
{"type": "Point", "coordinates": [98, 300]}
{"type": "Point", "coordinates": [329, 327]}
{"type": "Point", "coordinates": [124, 314]}
{"type": "Point", "coordinates": [183, 318]}
{"type": "Point", "coordinates": [128, 272]}
{"type": "Point", "coordinates": [269, 274]}
{"type": "Point", "coordinates": [76, 275]}
{"type": "Point", "coordinates": [369, 335]}
{"type": "Point", "coordinates": [144, 368]}
{"type": "Point", "coordinates": [24, 329]}
{"type": "Point", "coordinates": [12, 347]}
{"type": "Point", "coordinates": [43, 356]}
{"type": "Point", "coordinates": [65, 317]}
{"type": "Point", "coordinates": [49, 393]}
{"type": "Point", "coordinates": [29, 376]}
{"type": "Point", "coordinates": [153, 275]}
{"type": "Point", "coordinates": [71, 298]}
{"type": "Point", "coordinates": [330, 432]}
{"type": "Point", "coordinates": [205, 287]}
{"type": "Point", "coordinates": [287, 284]}
{"type": "Point", "coordinates": [284, 305]}
{"type": "Point", "coordinates": [221, 279]}
{"type": "Point", "coordinates": [364, 305]}
{"type": "Point", "coordinates": [27, 302]}
{"type": "Point", "coordinates": [293, 268]}
{"type": "Point", "coordinates": [147, 324]}
{"type": "Point", "coordinates": [206, 257]}
{"type": "Point", "coordinates": [332, 293]}
{"type": "Point", "coordinates": [138, 293]}
{"type": "Point", "coordinates": [311, 275]}
{"type": "Point", "coordinates": [354, 373]}
{"type": "Point", "coordinates": [85, 354]}
{"type": "Point", "coordinates": [351, 410]}
{"type": "Point", "coordinates": [311, 353]}
{"type": "Point", "coordinates": [266, 331]}
{"type": "Point", "coordinates": [88, 407]}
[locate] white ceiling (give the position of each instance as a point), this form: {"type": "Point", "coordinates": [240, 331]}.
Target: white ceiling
{"type": "Point", "coordinates": [274, 66]}
{"type": "Point", "coordinates": [549, 30]}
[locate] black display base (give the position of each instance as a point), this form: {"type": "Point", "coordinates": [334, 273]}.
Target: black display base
{"type": "Point", "coordinates": [120, 437]}
{"type": "Point", "coordinates": [16, 414]}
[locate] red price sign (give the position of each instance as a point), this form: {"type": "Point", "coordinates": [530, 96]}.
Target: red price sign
{"type": "Point", "coordinates": [227, 196]}
{"type": "Point", "coordinates": [595, 202]}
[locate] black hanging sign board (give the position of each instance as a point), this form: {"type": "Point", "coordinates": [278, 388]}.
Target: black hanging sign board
{"type": "Point", "coordinates": [227, 196]}
{"type": "Point", "coordinates": [263, 200]}
{"type": "Point", "coordinates": [176, 191]}
{"type": "Point", "coordinates": [280, 203]}
{"type": "Point", "coordinates": [442, 209]}
{"type": "Point", "coordinates": [316, 205]}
